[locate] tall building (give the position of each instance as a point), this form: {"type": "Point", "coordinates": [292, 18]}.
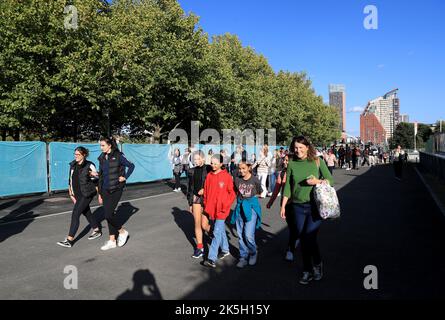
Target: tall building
{"type": "Point", "coordinates": [386, 110]}
{"type": "Point", "coordinates": [337, 99]}
{"type": "Point", "coordinates": [404, 118]}
{"type": "Point", "coordinates": [371, 130]}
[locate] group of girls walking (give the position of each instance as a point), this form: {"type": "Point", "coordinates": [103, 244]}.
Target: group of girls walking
{"type": "Point", "coordinates": [85, 182]}
{"type": "Point", "coordinates": [214, 190]}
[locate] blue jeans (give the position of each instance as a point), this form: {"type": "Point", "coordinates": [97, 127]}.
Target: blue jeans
{"type": "Point", "coordinates": [272, 181]}
{"type": "Point", "coordinates": [219, 240]}
{"type": "Point", "coordinates": [246, 235]}
{"type": "Point", "coordinates": [307, 229]}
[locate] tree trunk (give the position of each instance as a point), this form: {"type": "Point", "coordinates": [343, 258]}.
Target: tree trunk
{"type": "Point", "coordinates": [3, 134]}
{"type": "Point", "coordinates": [17, 135]}
{"type": "Point", "coordinates": [157, 133]}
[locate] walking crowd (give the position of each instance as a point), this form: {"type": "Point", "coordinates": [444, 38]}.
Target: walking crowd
{"type": "Point", "coordinates": [217, 181]}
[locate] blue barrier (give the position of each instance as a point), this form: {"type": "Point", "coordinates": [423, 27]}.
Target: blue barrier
{"type": "Point", "coordinates": [24, 164]}
{"type": "Point", "coordinates": [23, 168]}
{"type": "Point", "coordinates": [60, 156]}
{"type": "Point", "coordinates": [152, 161]}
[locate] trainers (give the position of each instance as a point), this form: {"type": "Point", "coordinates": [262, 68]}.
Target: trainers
{"type": "Point", "coordinates": [306, 278]}
{"type": "Point", "coordinates": [108, 245]}
{"type": "Point", "coordinates": [210, 264]}
{"type": "Point", "coordinates": [65, 243]}
{"type": "Point", "coordinates": [252, 259]}
{"type": "Point", "coordinates": [223, 254]}
{"type": "Point", "coordinates": [289, 256]}
{"type": "Point", "coordinates": [241, 263]}
{"type": "Point", "coordinates": [318, 272]}
{"type": "Point", "coordinates": [95, 235]}
{"type": "Point", "coordinates": [123, 237]}
{"type": "Point", "coordinates": [198, 253]}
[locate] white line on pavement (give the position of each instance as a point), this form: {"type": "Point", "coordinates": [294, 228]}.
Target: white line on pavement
{"type": "Point", "coordinates": [92, 208]}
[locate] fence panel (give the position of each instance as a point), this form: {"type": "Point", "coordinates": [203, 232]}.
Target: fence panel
{"type": "Point", "coordinates": [23, 168]}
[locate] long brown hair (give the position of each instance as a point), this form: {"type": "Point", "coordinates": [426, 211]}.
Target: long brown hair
{"type": "Point", "coordinates": [311, 153]}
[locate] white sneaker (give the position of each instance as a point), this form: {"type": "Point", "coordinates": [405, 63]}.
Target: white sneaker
{"type": "Point", "coordinates": [289, 256]}
{"type": "Point", "coordinates": [108, 245]}
{"type": "Point", "coordinates": [269, 194]}
{"type": "Point", "coordinates": [123, 237]}
{"type": "Point", "coordinates": [252, 259]}
{"type": "Point", "coordinates": [241, 263]}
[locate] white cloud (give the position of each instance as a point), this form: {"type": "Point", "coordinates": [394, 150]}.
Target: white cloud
{"type": "Point", "coordinates": [356, 109]}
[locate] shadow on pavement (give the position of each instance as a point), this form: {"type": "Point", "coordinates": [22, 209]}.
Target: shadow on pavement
{"type": "Point", "coordinates": [392, 225]}
{"type": "Point", "coordinates": [144, 287]}
{"type": "Point", "coordinates": [24, 212]}
{"type": "Point", "coordinates": [185, 222]}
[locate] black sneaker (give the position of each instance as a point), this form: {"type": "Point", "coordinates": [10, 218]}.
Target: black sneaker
{"type": "Point", "coordinates": [223, 254]}
{"type": "Point", "coordinates": [65, 243]}
{"type": "Point", "coordinates": [210, 264]}
{"type": "Point", "coordinates": [95, 235]}
{"type": "Point", "coordinates": [198, 253]}
{"type": "Point", "coordinates": [318, 272]}
{"type": "Point", "coordinates": [306, 278]}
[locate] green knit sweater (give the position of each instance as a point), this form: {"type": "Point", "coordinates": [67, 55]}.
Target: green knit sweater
{"type": "Point", "coordinates": [296, 175]}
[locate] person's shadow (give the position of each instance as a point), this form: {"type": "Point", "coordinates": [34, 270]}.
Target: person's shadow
{"type": "Point", "coordinates": [144, 287]}
{"type": "Point", "coordinates": [23, 216]}
{"type": "Point", "coordinates": [184, 220]}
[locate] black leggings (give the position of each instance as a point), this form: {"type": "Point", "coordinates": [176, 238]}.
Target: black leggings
{"type": "Point", "coordinates": [177, 180]}
{"type": "Point", "coordinates": [110, 202]}
{"type": "Point", "coordinates": [398, 169]}
{"type": "Point", "coordinates": [82, 206]}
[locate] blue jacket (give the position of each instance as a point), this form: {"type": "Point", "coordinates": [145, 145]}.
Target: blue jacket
{"type": "Point", "coordinates": [247, 205]}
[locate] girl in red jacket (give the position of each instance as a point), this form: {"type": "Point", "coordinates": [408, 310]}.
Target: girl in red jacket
{"type": "Point", "coordinates": [219, 195]}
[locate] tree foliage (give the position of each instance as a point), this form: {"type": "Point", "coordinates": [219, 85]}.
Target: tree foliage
{"type": "Point", "coordinates": [142, 66]}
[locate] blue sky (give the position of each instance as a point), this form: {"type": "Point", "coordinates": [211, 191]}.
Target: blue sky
{"type": "Point", "coordinates": [327, 39]}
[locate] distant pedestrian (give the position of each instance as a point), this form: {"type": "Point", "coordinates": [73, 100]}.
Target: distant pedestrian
{"type": "Point", "coordinates": [398, 159]}
{"type": "Point", "coordinates": [263, 165]}
{"type": "Point", "coordinates": [331, 160]}
{"type": "Point", "coordinates": [176, 161]}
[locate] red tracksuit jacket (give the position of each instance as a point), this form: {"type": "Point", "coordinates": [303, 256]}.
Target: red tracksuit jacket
{"type": "Point", "coordinates": [219, 195]}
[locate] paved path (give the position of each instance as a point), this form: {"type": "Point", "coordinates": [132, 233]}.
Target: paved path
{"type": "Point", "coordinates": [392, 225]}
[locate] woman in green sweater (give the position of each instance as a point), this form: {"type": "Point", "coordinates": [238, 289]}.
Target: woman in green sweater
{"type": "Point", "coordinates": [303, 173]}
